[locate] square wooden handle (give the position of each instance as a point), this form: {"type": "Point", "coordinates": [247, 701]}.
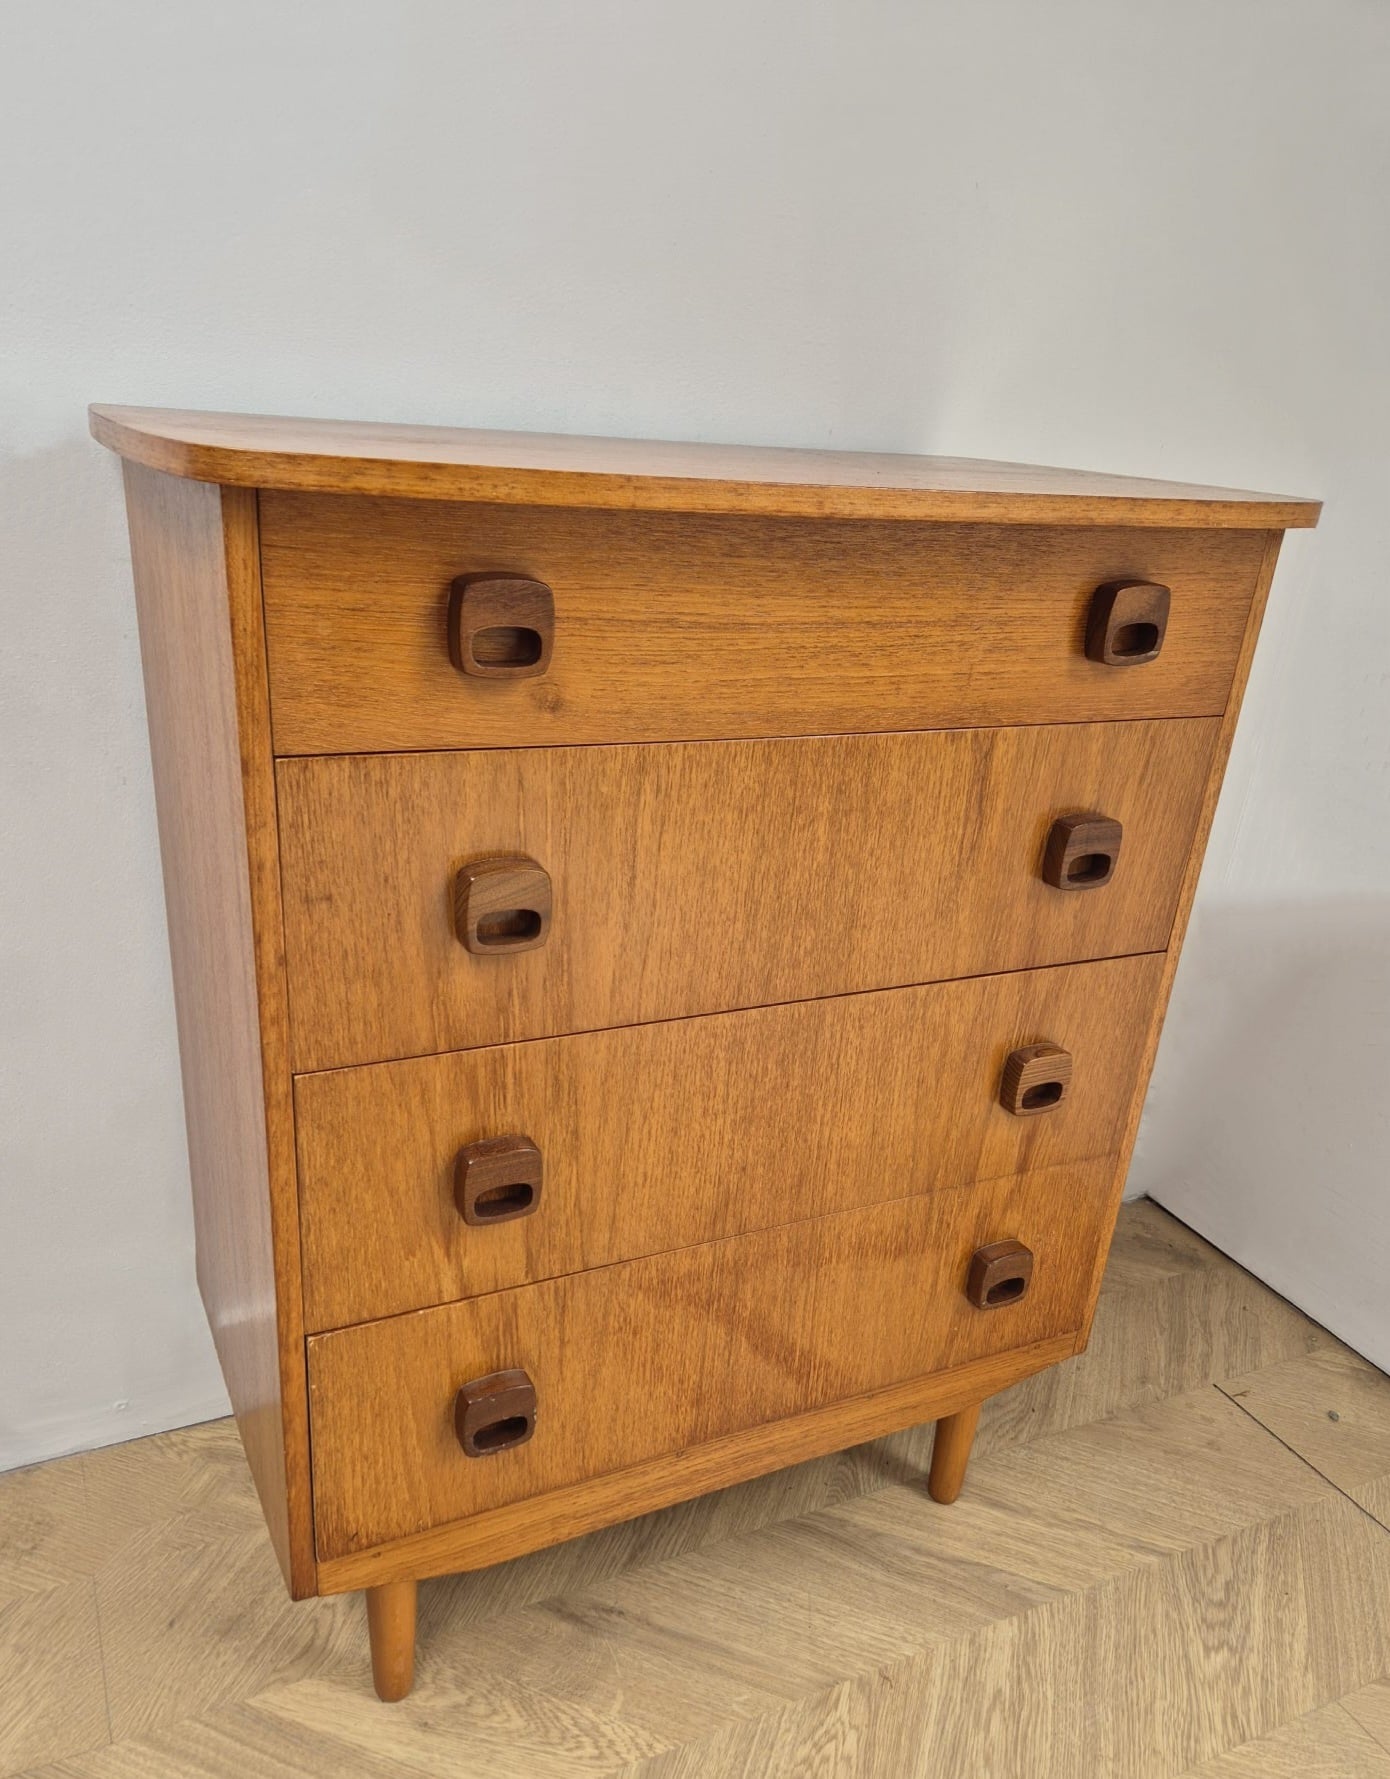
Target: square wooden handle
{"type": "Point", "coordinates": [497, 1180]}
{"type": "Point", "coordinates": [1081, 851]}
{"type": "Point", "coordinates": [502, 904]}
{"type": "Point", "coordinates": [1036, 1078]}
{"type": "Point", "coordinates": [1000, 1274]}
{"type": "Point", "coordinates": [495, 1413]}
{"type": "Point", "coordinates": [1127, 622]}
{"type": "Point", "coordinates": [500, 626]}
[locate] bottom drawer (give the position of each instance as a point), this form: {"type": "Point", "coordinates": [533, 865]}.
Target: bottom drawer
{"type": "Point", "coordinates": [632, 1361]}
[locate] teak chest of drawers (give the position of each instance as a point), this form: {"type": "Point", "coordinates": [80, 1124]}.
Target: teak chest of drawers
{"type": "Point", "coordinates": [669, 944]}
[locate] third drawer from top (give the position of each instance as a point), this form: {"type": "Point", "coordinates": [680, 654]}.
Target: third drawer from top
{"type": "Point", "coordinates": [446, 1177]}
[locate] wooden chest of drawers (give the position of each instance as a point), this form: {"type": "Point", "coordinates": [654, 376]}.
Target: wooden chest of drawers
{"type": "Point", "coordinates": [669, 943]}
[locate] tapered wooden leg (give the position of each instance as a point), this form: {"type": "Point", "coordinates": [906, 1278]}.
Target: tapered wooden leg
{"type": "Point", "coordinates": [391, 1627]}
{"type": "Point", "coordinates": [950, 1453]}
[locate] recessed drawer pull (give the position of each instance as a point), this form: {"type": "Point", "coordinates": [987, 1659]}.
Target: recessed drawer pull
{"type": "Point", "coordinates": [999, 1274]}
{"type": "Point", "coordinates": [1036, 1079]}
{"type": "Point", "coordinates": [497, 1180]}
{"type": "Point", "coordinates": [500, 626]}
{"type": "Point", "coordinates": [495, 1413]}
{"type": "Point", "coordinates": [502, 904]}
{"type": "Point", "coordinates": [1127, 622]}
{"type": "Point", "coordinates": [1081, 851]}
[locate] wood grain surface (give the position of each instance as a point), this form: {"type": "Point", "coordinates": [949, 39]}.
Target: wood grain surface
{"type": "Point", "coordinates": [391, 1626]}
{"type": "Point", "coordinates": [732, 1265]}
{"type": "Point", "coordinates": [660, 1136]}
{"type": "Point", "coordinates": [1325, 1744]}
{"type": "Point", "coordinates": [557, 469]}
{"type": "Point", "coordinates": [679, 1349]}
{"type": "Point", "coordinates": [1192, 870]}
{"type": "Point", "coordinates": [197, 589]}
{"type": "Point", "coordinates": [539, 1522]}
{"type": "Point", "coordinates": [950, 1454]}
{"type": "Point", "coordinates": [1120, 1524]}
{"type": "Point", "coordinates": [1333, 1408]}
{"type": "Point", "coordinates": [693, 878]}
{"type": "Point", "coordinates": [677, 627]}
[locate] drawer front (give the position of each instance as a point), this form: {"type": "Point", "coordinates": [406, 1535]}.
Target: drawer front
{"type": "Point", "coordinates": [680, 627]}
{"type": "Point", "coordinates": [658, 1355]}
{"type": "Point", "coordinates": [694, 878]}
{"type": "Point", "coordinates": [658, 1137]}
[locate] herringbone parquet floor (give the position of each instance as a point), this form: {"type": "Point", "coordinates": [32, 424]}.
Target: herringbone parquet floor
{"type": "Point", "coordinates": [1171, 1558]}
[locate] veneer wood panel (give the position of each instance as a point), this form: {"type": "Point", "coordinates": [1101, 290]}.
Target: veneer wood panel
{"type": "Point", "coordinates": [667, 1353]}
{"type": "Point", "coordinates": [556, 469]}
{"type": "Point", "coordinates": [660, 1136]}
{"type": "Point", "coordinates": [1192, 870]}
{"type": "Point", "coordinates": [679, 627]}
{"type": "Point", "coordinates": [771, 744]}
{"type": "Point", "coordinates": [197, 588]}
{"type": "Point", "coordinates": [694, 878]}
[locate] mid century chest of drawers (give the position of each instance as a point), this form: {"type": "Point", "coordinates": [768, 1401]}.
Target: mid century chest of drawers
{"type": "Point", "coordinates": [669, 943]}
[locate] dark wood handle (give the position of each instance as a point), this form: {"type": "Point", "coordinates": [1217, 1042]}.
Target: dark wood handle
{"type": "Point", "coordinates": [497, 1180]}
{"type": "Point", "coordinates": [495, 1413]}
{"type": "Point", "coordinates": [501, 626]}
{"type": "Point", "coordinates": [1127, 622]}
{"type": "Point", "coordinates": [1036, 1078]}
{"type": "Point", "coordinates": [1081, 851]}
{"type": "Point", "coordinates": [999, 1274]}
{"type": "Point", "coordinates": [502, 904]}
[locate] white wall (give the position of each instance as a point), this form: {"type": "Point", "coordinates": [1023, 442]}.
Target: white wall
{"type": "Point", "coordinates": [1137, 238]}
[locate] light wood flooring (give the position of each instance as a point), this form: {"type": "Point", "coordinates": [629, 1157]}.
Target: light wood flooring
{"type": "Point", "coordinates": [1171, 1558]}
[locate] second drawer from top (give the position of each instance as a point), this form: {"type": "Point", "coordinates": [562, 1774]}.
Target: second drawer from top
{"type": "Point", "coordinates": [435, 902]}
{"type": "Point", "coordinates": [669, 627]}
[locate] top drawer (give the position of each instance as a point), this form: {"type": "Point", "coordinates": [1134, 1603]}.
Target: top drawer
{"type": "Point", "coordinates": [683, 627]}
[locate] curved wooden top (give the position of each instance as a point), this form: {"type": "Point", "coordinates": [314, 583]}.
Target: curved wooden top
{"type": "Point", "coordinates": [554, 469]}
